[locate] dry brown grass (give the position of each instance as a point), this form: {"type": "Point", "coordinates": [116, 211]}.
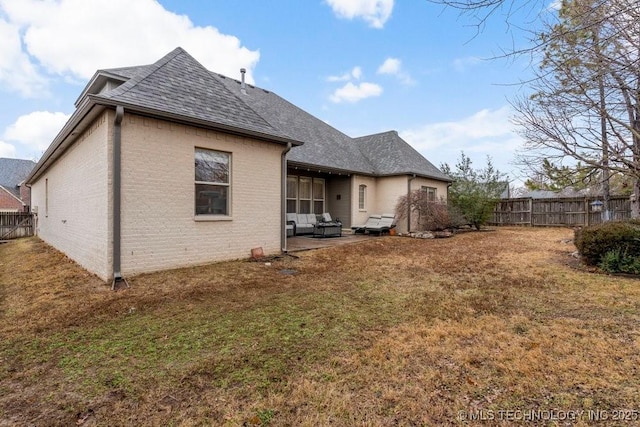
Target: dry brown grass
{"type": "Point", "coordinates": [388, 332]}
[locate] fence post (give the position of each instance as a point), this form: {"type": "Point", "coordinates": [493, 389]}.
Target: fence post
{"type": "Point", "coordinates": [586, 209]}
{"type": "Point", "coordinates": [531, 211]}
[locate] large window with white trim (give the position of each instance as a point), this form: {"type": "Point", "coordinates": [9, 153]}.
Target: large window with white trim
{"type": "Point", "coordinates": [212, 182]}
{"type": "Point", "coordinates": [292, 194]}
{"type": "Point", "coordinates": [305, 194]}
{"type": "Point", "coordinates": [318, 195]}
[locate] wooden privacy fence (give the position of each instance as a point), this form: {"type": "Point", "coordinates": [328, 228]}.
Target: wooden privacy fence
{"type": "Point", "coordinates": [557, 212]}
{"type": "Point", "coordinates": [16, 224]}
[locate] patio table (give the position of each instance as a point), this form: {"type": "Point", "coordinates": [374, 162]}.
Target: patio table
{"type": "Point", "coordinates": [327, 229]}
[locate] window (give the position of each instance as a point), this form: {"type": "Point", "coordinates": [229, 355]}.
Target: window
{"type": "Point", "coordinates": [212, 182]}
{"type": "Point", "coordinates": [431, 193]}
{"type": "Point", "coordinates": [318, 195]}
{"type": "Point", "coordinates": [292, 194]}
{"type": "Point", "coordinates": [46, 197]}
{"type": "Point", "coordinates": [362, 197]}
{"type": "Point", "coordinates": [304, 195]}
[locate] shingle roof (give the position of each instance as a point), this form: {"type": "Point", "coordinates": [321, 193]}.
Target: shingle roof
{"type": "Point", "coordinates": [324, 146]}
{"type": "Point", "coordinates": [13, 172]}
{"type": "Point", "coordinates": [391, 155]}
{"type": "Point", "coordinates": [180, 85]}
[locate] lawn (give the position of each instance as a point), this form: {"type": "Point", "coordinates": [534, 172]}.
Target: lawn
{"type": "Point", "coordinates": [500, 325]}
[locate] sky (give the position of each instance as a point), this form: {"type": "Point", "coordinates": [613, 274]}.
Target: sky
{"type": "Point", "coordinates": [363, 66]}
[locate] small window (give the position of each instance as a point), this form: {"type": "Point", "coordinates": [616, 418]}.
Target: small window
{"type": "Point", "coordinates": [362, 197]}
{"type": "Point", "coordinates": [431, 193]}
{"type": "Point", "coordinates": [212, 182]}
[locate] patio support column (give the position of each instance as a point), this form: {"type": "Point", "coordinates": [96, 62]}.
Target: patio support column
{"type": "Point", "coordinates": [411, 178]}
{"type": "Point", "coordinates": [283, 201]}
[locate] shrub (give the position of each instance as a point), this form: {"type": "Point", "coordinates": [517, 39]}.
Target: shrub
{"type": "Point", "coordinates": [596, 241]}
{"type": "Point", "coordinates": [618, 262]}
{"type": "Point", "coordinates": [427, 215]}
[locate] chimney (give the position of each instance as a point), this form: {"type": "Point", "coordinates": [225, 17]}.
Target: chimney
{"type": "Point", "coordinates": [243, 86]}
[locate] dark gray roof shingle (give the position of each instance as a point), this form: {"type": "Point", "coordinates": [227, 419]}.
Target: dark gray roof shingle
{"type": "Point", "coordinates": [13, 172]}
{"type": "Point", "coordinates": [324, 146]}
{"type": "Point", "coordinates": [392, 155]}
{"type": "Point", "coordinates": [180, 85]}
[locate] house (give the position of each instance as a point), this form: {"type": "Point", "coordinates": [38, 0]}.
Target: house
{"type": "Point", "coordinates": [14, 194]}
{"type": "Point", "coordinates": [169, 164]}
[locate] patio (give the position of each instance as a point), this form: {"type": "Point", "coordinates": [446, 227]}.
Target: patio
{"type": "Point", "coordinates": [304, 243]}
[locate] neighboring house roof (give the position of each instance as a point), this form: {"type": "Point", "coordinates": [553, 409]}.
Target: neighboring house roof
{"type": "Point", "coordinates": [13, 172]}
{"type": "Point", "coordinates": [391, 155]}
{"type": "Point", "coordinates": [177, 87]}
{"type": "Point", "coordinates": [548, 194]}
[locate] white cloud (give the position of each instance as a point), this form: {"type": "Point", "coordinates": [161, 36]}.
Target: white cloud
{"type": "Point", "coordinates": [390, 66]}
{"type": "Point", "coordinates": [374, 12]}
{"type": "Point", "coordinates": [463, 64]}
{"type": "Point", "coordinates": [354, 93]}
{"type": "Point", "coordinates": [355, 73]}
{"type": "Point", "coordinates": [17, 73]}
{"type": "Point", "coordinates": [36, 129]}
{"type": "Point", "coordinates": [393, 66]}
{"type": "Point", "coordinates": [73, 38]}
{"type": "Point", "coordinates": [7, 150]}
{"type": "Point", "coordinates": [487, 132]}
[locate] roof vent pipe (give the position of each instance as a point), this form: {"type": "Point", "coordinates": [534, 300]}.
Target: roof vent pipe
{"type": "Point", "coordinates": [243, 85]}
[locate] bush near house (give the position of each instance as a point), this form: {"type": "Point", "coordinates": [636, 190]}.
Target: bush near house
{"type": "Point", "coordinates": [426, 214]}
{"type": "Point", "coordinates": [614, 246]}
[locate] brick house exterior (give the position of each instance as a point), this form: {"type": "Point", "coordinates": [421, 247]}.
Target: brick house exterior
{"type": "Point", "coordinates": [169, 165]}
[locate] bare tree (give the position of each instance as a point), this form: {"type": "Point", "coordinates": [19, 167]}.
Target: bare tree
{"type": "Point", "coordinates": [586, 97]}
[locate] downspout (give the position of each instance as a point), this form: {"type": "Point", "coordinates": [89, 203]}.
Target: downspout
{"type": "Point", "coordinates": [411, 178]}
{"type": "Point", "coordinates": [117, 168]}
{"type": "Point", "coordinates": [283, 201]}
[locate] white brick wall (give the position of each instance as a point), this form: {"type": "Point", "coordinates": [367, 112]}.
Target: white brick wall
{"type": "Point", "coordinates": [159, 229]}
{"type": "Point", "coordinates": [359, 216]}
{"type": "Point", "coordinates": [383, 194]}
{"type": "Point", "coordinates": [77, 220]}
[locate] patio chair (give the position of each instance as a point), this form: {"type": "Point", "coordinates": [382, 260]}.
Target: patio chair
{"type": "Point", "coordinates": [386, 223]}
{"type": "Point", "coordinates": [372, 221]}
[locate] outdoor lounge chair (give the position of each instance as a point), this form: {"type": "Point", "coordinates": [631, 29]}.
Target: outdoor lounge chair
{"type": "Point", "coordinates": [386, 223]}
{"type": "Point", "coordinates": [372, 221]}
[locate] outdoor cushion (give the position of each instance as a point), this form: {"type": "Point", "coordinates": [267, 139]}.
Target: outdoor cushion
{"type": "Point", "coordinates": [372, 221]}
{"type": "Point", "coordinates": [386, 223]}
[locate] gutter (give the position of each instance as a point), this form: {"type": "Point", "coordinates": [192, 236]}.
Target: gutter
{"type": "Point", "coordinates": [193, 121]}
{"type": "Point", "coordinates": [411, 178]}
{"type": "Point", "coordinates": [117, 175]}
{"type": "Point", "coordinates": [283, 200]}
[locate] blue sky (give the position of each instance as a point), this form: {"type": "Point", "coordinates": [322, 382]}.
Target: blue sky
{"type": "Point", "coordinates": [363, 66]}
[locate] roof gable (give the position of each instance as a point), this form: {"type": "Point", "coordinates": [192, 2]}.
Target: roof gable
{"type": "Point", "coordinates": [179, 85]}
{"type": "Point", "coordinates": [392, 155]}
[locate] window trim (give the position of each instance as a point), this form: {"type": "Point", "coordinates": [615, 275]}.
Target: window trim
{"type": "Point", "coordinates": [362, 197]}
{"type": "Point", "coordinates": [213, 216]}
{"type": "Point", "coordinates": [428, 190]}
